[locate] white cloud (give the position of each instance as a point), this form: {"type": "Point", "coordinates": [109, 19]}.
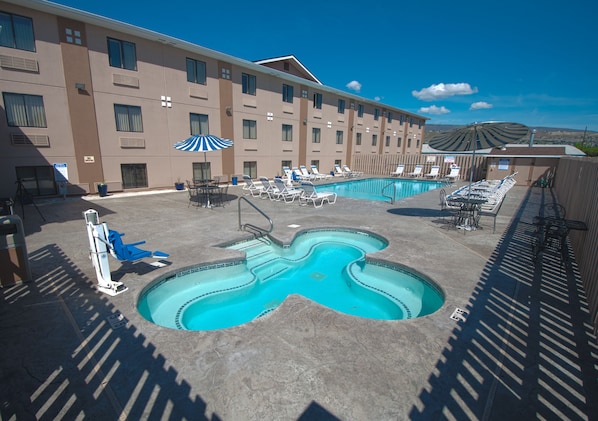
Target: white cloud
{"type": "Point", "coordinates": [444, 90]}
{"type": "Point", "coordinates": [480, 105]}
{"type": "Point", "coordinates": [434, 110]}
{"type": "Point", "coordinates": [378, 98]}
{"type": "Point", "coordinates": [354, 86]}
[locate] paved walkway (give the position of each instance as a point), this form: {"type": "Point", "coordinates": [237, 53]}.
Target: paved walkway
{"type": "Point", "coordinates": [525, 351]}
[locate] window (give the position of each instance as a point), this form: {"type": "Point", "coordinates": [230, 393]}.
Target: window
{"type": "Point", "coordinates": [419, 124]}
{"type": "Point", "coordinates": [225, 74]}
{"type": "Point", "coordinates": [24, 110]}
{"type": "Point", "coordinates": [285, 163]}
{"type": "Point", "coordinates": [376, 114]}
{"type": "Point", "coordinates": [360, 110]}
{"type": "Point", "coordinates": [250, 168]}
{"type": "Point", "coordinates": [389, 117]}
{"type": "Point", "coordinates": [202, 171]}
{"type": "Point", "coordinates": [128, 118]}
{"type": "Point", "coordinates": [17, 32]}
{"type": "Point", "coordinates": [315, 135]}
{"type": "Point", "coordinates": [358, 139]}
{"type": "Point", "coordinates": [199, 123]}
{"type": "Point", "coordinates": [410, 121]}
{"type": "Point", "coordinates": [401, 118]}
{"type": "Point", "coordinates": [287, 133]}
{"type": "Point", "coordinates": [249, 129]}
{"type": "Point", "coordinates": [315, 163]}
{"type": "Point", "coordinates": [374, 139]}
{"type": "Point", "coordinates": [417, 143]}
{"type": "Point", "coordinates": [318, 101]}
{"type": "Point", "coordinates": [341, 106]}
{"type": "Point", "coordinates": [408, 143]}
{"type": "Point", "coordinates": [304, 93]}
{"type": "Point", "coordinates": [133, 175]}
{"type": "Point", "coordinates": [248, 84]}
{"type": "Point", "coordinates": [387, 141]}
{"type": "Point", "coordinates": [398, 142]}
{"type": "Point", "coordinates": [339, 137]}
{"type": "Point", "coordinates": [122, 54]}
{"type": "Point", "coordinates": [337, 162]}
{"type": "Point", "coordinates": [196, 71]}
{"type": "Point", "coordinates": [287, 93]}
{"type": "Point", "coordinates": [73, 36]}
{"type": "Point", "coordinates": [38, 180]}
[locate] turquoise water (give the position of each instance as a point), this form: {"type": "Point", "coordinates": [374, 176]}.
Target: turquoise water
{"type": "Point", "coordinates": [325, 266]}
{"type": "Point", "coordinates": [371, 188]}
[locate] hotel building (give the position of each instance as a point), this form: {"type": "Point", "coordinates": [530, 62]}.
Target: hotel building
{"type": "Point", "coordinates": [91, 99]}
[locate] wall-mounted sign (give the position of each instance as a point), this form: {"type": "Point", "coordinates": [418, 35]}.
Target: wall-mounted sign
{"type": "Point", "coordinates": [448, 159]}
{"type": "Point", "coordinates": [89, 159]}
{"type": "Point", "coordinates": [503, 164]}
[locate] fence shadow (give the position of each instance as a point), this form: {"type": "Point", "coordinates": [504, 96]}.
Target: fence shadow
{"type": "Point", "coordinates": [526, 349]}
{"type": "Point", "coordinates": [63, 357]}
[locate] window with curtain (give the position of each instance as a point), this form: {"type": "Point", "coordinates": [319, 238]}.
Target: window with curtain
{"type": "Point", "coordinates": [315, 135]}
{"type": "Point", "coordinates": [387, 141]}
{"type": "Point", "coordinates": [389, 117]}
{"type": "Point", "coordinates": [360, 110]}
{"type": "Point", "coordinates": [287, 133]}
{"type": "Point", "coordinates": [24, 110]}
{"type": "Point", "coordinates": [128, 118]}
{"type": "Point", "coordinates": [318, 101]}
{"type": "Point", "coordinates": [341, 106]}
{"type": "Point", "coordinates": [339, 137]}
{"type": "Point", "coordinates": [202, 171]}
{"type": "Point", "coordinates": [249, 84]}
{"type": "Point", "coordinates": [287, 93]}
{"type": "Point", "coordinates": [122, 54]}
{"type": "Point", "coordinates": [196, 71]}
{"type": "Point", "coordinates": [376, 114]}
{"type": "Point", "coordinates": [374, 139]}
{"type": "Point", "coordinates": [17, 32]}
{"type": "Point", "coordinates": [358, 139]}
{"type": "Point", "coordinates": [199, 123]}
{"type": "Point", "coordinates": [249, 129]}
{"type": "Point", "coordinates": [250, 168]}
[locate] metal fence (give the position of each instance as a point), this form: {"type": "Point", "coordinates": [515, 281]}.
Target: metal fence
{"type": "Point", "coordinates": [576, 187]}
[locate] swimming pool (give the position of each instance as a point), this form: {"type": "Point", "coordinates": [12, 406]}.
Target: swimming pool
{"type": "Point", "coordinates": [371, 188]}
{"type": "Point", "coordinates": [325, 266]}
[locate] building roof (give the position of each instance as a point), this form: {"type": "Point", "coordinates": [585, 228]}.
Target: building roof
{"type": "Point", "coordinates": [515, 150]}
{"type": "Point", "coordinates": [269, 62]}
{"type": "Point", "coordinates": [126, 28]}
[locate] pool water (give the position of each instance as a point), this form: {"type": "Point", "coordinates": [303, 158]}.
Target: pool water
{"type": "Point", "coordinates": [325, 266]}
{"type": "Point", "coordinates": [371, 188]}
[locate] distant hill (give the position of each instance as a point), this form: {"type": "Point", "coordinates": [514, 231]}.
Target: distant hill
{"type": "Point", "coordinates": [544, 135]}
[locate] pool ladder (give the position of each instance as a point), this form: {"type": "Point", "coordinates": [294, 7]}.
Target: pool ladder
{"type": "Point", "coordinates": [394, 192]}
{"type": "Point", "coordinates": [257, 231]}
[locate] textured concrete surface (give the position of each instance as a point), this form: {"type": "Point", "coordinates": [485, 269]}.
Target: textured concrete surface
{"type": "Point", "coordinates": [525, 351]}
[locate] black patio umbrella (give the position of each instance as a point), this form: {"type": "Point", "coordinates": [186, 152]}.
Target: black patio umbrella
{"type": "Point", "coordinates": [478, 136]}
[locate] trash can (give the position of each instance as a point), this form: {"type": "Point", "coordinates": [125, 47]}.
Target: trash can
{"type": "Point", "coordinates": [14, 261]}
{"type": "Point", "coordinates": [235, 180]}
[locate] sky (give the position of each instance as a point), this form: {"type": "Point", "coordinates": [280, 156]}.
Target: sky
{"type": "Point", "coordinates": [527, 61]}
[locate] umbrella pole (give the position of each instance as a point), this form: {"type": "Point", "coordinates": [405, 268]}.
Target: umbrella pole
{"type": "Point", "coordinates": [205, 161]}
{"type": "Point", "coordinates": [475, 144]}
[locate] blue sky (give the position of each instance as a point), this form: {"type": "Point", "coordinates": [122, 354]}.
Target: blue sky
{"type": "Point", "coordinates": [527, 61]}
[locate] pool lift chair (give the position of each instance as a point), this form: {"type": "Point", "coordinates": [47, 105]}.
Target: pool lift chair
{"type": "Point", "coordinates": [102, 242]}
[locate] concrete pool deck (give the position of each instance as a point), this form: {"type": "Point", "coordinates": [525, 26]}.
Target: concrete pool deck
{"type": "Point", "coordinates": [526, 349]}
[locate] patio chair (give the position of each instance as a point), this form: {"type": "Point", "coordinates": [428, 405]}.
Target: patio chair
{"type": "Point", "coordinates": [399, 171]}
{"type": "Point", "coordinates": [433, 172]}
{"type": "Point", "coordinates": [311, 195]}
{"type": "Point", "coordinates": [298, 176]}
{"type": "Point", "coordinates": [285, 193]}
{"type": "Point", "coordinates": [251, 188]}
{"type": "Point", "coordinates": [351, 172]}
{"type": "Point", "coordinates": [417, 171]}
{"type": "Point", "coordinates": [268, 188]}
{"type": "Point", "coordinates": [306, 174]}
{"type": "Point", "coordinates": [454, 174]}
{"type": "Point", "coordinates": [318, 174]}
{"type": "Point", "coordinates": [289, 178]}
{"type": "Point", "coordinates": [339, 172]}
{"type": "Point", "coordinates": [130, 252]}
{"type": "Point", "coordinates": [447, 207]}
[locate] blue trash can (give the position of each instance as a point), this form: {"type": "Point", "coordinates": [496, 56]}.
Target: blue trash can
{"type": "Point", "coordinates": [235, 180]}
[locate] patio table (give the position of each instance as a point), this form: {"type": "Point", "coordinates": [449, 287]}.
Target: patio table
{"type": "Point", "coordinates": [468, 215]}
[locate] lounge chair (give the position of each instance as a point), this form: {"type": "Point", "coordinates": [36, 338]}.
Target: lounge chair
{"type": "Point", "coordinates": [267, 189]}
{"type": "Point", "coordinates": [351, 172]}
{"type": "Point", "coordinates": [433, 172]}
{"type": "Point", "coordinates": [311, 195]}
{"type": "Point", "coordinates": [305, 173]}
{"type": "Point", "coordinates": [251, 188]}
{"type": "Point", "coordinates": [314, 170]}
{"type": "Point", "coordinates": [417, 171]}
{"type": "Point", "coordinates": [285, 193]}
{"type": "Point", "coordinates": [339, 172]}
{"type": "Point", "coordinates": [288, 176]}
{"type": "Point", "coordinates": [399, 171]}
{"type": "Point", "coordinates": [297, 176]}
{"type": "Point", "coordinates": [130, 252]}
{"type": "Point", "coordinates": [454, 174]}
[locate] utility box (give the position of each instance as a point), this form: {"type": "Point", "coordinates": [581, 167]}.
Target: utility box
{"type": "Point", "coordinates": [14, 261]}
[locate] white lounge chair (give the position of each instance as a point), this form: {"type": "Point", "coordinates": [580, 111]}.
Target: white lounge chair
{"type": "Point", "coordinates": [454, 174]}
{"type": "Point", "coordinates": [433, 172]}
{"type": "Point", "coordinates": [285, 193]}
{"type": "Point", "coordinates": [311, 195]}
{"type": "Point", "coordinates": [251, 188]}
{"type": "Point", "coordinates": [288, 176]}
{"type": "Point", "coordinates": [305, 173]}
{"type": "Point", "coordinates": [318, 174]}
{"type": "Point", "coordinates": [298, 176]}
{"type": "Point", "coordinates": [417, 171]}
{"type": "Point", "coordinates": [351, 172]}
{"type": "Point", "coordinates": [399, 171]}
{"type": "Point", "coordinates": [267, 189]}
{"type": "Point", "coordinates": [339, 172]}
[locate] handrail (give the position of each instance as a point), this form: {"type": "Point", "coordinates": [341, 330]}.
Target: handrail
{"type": "Point", "coordinates": [243, 227]}
{"type": "Point", "coordinates": [394, 194]}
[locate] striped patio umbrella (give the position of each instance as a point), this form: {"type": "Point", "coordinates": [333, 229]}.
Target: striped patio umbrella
{"type": "Point", "coordinates": [478, 136]}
